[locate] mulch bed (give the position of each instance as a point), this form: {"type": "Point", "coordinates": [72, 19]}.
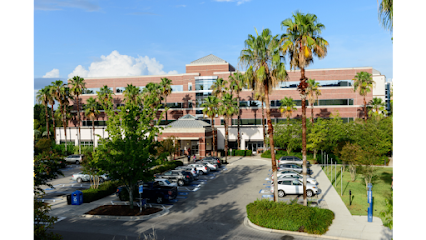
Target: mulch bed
{"type": "Point", "coordinates": [121, 210]}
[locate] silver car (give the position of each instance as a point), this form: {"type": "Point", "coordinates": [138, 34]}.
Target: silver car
{"type": "Point", "coordinates": [202, 169]}
{"type": "Point", "coordinates": [81, 177]}
{"type": "Point", "coordinates": [76, 158]}
{"type": "Point", "coordinates": [295, 175]}
{"type": "Point", "coordinates": [210, 165]}
{"type": "Point", "coordinates": [190, 169]}
{"type": "Point", "coordinates": [295, 186]}
{"type": "Point", "coordinates": [292, 159]}
{"type": "Point", "coordinates": [293, 167]}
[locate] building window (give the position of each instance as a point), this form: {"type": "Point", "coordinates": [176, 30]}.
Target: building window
{"type": "Point", "coordinates": [88, 123]}
{"type": "Point", "coordinates": [177, 88]}
{"type": "Point", "coordinates": [91, 90]}
{"type": "Point", "coordinates": [68, 142]}
{"type": "Point", "coordinates": [189, 103]}
{"type": "Point", "coordinates": [326, 83]}
{"type": "Point", "coordinates": [198, 111]}
{"type": "Point", "coordinates": [189, 86]}
{"type": "Point", "coordinates": [119, 89]}
{"type": "Point", "coordinates": [172, 105]}
{"type": "Point", "coordinates": [86, 143]}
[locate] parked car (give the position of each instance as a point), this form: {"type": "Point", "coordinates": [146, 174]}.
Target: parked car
{"type": "Point", "coordinates": [292, 159]}
{"type": "Point", "coordinates": [295, 175]}
{"type": "Point", "coordinates": [76, 158]}
{"type": "Point", "coordinates": [217, 160]}
{"type": "Point", "coordinates": [201, 168]}
{"type": "Point", "coordinates": [181, 177]}
{"type": "Point", "coordinates": [165, 182]}
{"type": "Point", "coordinates": [153, 191]}
{"type": "Point", "coordinates": [294, 186]}
{"type": "Point", "coordinates": [293, 167]}
{"type": "Point", "coordinates": [212, 166]}
{"type": "Point", "coordinates": [189, 169]}
{"type": "Point", "coordinates": [81, 177]}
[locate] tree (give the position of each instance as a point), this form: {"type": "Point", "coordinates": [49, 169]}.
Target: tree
{"type": "Point", "coordinates": [236, 84]}
{"type": "Point", "coordinates": [387, 214]}
{"type": "Point", "coordinates": [105, 97]}
{"type": "Point", "coordinates": [287, 107]}
{"type": "Point", "coordinates": [261, 55]}
{"type": "Point", "coordinates": [130, 151]}
{"type": "Point", "coordinates": [313, 92]}
{"type": "Point", "coordinates": [386, 14]}
{"type": "Point", "coordinates": [363, 83]}
{"type": "Point", "coordinates": [78, 85]}
{"type": "Point", "coordinates": [211, 106]}
{"type": "Point", "coordinates": [260, 96]}
{"type": "Point", "coordinates": [317, 136]}
{"type": "Point", "coordinates": [43, 98]}
{"type": "Point", "coordinates": [169, 145]}
{"type": "Point", "coordinates": [352, 154]}
{"type": "Point", "coordinates": [91, 110]}
{"type": "Point", "coordinates": [132, 94]}
{"type": "Point", "coordinates": [51, 99]}
{"type": "Point", "coordinates": [219, 88]}
{"type": "Point", "coordinates": [302, 41]}
{"type": "Point", "coordinates": [61, 94]}
{"type": "Point", "coordinates": [378, 108]}
{"type": "Point", "coordinates": [227, 109]}
{"type": "Point", "coordinates": [166, 90]}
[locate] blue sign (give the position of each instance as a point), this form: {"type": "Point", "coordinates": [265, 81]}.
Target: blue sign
{"type": "Point", "coordinates": [140, 188]}
{"type": "Point", "coordinates": [369, 196]}
{"type": "Point", "coordinates": [370, 201]}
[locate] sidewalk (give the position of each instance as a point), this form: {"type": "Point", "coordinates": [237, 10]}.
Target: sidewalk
{"type": "Point", "coordinates": [344, 224]}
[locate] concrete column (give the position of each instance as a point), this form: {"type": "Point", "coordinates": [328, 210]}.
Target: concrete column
{"type": "Point", "coordinates": [202, 147]}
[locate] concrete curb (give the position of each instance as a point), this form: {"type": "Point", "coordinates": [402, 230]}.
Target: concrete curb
{"type": "Point", "coordinates": [126, 218]}
{"type": "Point", "coordinates": [248, 223]}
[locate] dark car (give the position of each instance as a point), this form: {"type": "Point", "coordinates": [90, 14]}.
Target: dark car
{"type": "Point", "coordinates": [293, 167]}
{"type": "Point", "coordinates": [181, 177]}
{"type": "Point", "coordinates": [152, 191]}
{"type": "Point", "coordinates": [216, 160]}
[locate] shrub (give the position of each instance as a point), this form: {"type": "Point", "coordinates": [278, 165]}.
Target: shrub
{"type": "Point", "coordinates": [290, 217]}
{"type": "Point", "coordinates": [105, 189]}
{"type": "Point", "coordinates": [248, 152]}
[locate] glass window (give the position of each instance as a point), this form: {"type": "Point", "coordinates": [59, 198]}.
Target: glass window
{"type": "Point", "coordinates": [189, 103]}
{"type": "Point", "coordinates": [204, 84]}
{"type": "Point", "coordinates": [177, 88]}
{"type": "Point", "coordinates": [189, 86]}
{"type": "Point", "coordinates": [326, 83]}
{"type": "Point", "coordinates": [286, 182]}
{"type": "Point", "coordinates": [119, 89]}
{"type": "Point", "coordinates": [296, 183]}
{"type": "Point", "coordinates": [91, 90]}
{"type": "Point", "coordinates": [272, 103]}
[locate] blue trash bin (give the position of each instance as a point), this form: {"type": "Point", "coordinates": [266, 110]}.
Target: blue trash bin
{"type": "Point", "coordinates": [77, 198]}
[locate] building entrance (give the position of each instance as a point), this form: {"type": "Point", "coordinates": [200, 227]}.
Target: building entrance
{"type": "Point", "coordinates": [253, 146]}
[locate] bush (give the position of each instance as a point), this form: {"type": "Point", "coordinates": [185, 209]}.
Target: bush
{"type": "Point", "coordinates": [105, 189]}
{"type": "Point", "coordinates": [248, 152]}
{"type": "Point", "coordinates": [290, 217]}
{"type": "Point", "coordinates": [167, 166]}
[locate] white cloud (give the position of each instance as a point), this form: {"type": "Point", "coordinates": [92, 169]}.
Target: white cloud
{"type": "Point", "coordinates": [116, 64]}
{"type": "Point", "coordinates": [239, 2]}
{"type": "Point", "coordinates": [52, 74]}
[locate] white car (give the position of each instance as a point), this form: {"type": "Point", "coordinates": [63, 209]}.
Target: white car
{"type": "Point", "coordinates": [201, 168]}
{"type": "Point", "coordinates": [294, 186]}
{"type": "Point", "coordinates": [295, 175]}
{"type": "Point", "coordinates": [292, 159]}
{"type": "Point", "coordinates": [165, 182]}
{"type": "Point", "coordinates": [81, 177]}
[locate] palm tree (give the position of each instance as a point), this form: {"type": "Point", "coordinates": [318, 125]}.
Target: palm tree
{"type": "Point", "coordinates": [43, 98]}
{"type": "Point", "coordinates": [260, 96]}
{"type": "Point", "coordinates": [91, 110]}
{"type": "Point", "coordinates": [363, 83]}
{"type": "Point", "coordinates": [313, 92]}
{"type": "Point", "coordinates": [51, 99]}
{"type": "Point", "coordinates": [105, 97]}
{"type": "Point", "coordinates": [166, 90]}
{"type": "Point", "coordinates": [236, 84]}
{"type": "Point", "coordinates": [386, 14]}
{"type": "Point", "coordinates": [378, 108]}
{"type": "Point", "coordinates": [211, 106]}
{"type": "Point", "coordinates": [266, 67]}
{"type": "Point", "coordinates": [227, 109]}
{"type": "Point", "coordinates": [132, 94]}
{"type": "Point", "coordinates": [287, 107]}
{"type": "Point", "coordinates": [219, 88]}
{"type": "Point", "coordinates": [301, 42]}
{"type": "Point", "coordinates": [78, 85]}
{"type": "Point", "coordinates": [61, 93]}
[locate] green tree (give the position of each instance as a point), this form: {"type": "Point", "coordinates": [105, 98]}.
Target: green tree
{"type": "Point", "coordinates": [387, 214]}
{"type": "Point", "coordinates": [363, 83]}
{"type": "Point", "coordinates": [261, 56]}
{"type": "Point", "coordinates": [386, 14]}
{"type": "Point", "coordinates": [260, 96]}
{"type": "Point", "coordinates": [301, 42]}
{"type": "Point", "coordinates": [78, 85]}
{"type": "Point", "coordinates": [62, 95]}
{"type": "Point", "coordinates": [91, 110]}
{"type": "Point", "coordinates": [219, 87]}
{"type": "Point", "coordinates": [105, 97]}
{"type": "Point", "coordinates": [287, 107]}
{"type": "Point", "coordinates": [237, 83]}
{"type": "Point", "coordinates": [227, 109]}
{"type": "Point", "coordinates": [51, 99]}
{"type": "Point", "coordinates": [317, 136]}
{"type": "Point", "coordinates": [166, 90]}
{"type": "Point", "coordinates": [132, 94]}
{"type": "Point", "coordinates": [43, 98]}
{"type": "Point", "coordinates": [378, 108]}
{"type": "Point", "coordinates": [211, 106]}
{"type": "Point", "coordinates": [352, 154]}
{"type": "Point", "coordinates": [130, 151]}
{"type": "Point", "coordinates": [313, 92]}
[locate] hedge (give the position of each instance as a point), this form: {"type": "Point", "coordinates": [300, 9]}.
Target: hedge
{"type": "Point", "coordinates": [167, 166]}
{"type": "Point", "coordinates": [289, 217]}
{"type": "Point", "coordinates": [239, 153]}
{"type": "Point", "coordinates": [105, 189]}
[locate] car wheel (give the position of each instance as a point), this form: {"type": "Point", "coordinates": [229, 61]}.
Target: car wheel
{"type": "Point", "coordinates": [180, 183]}
{"type": "Point", "coordinates": [159, 199]}
{"type": "Point", "coordinates": [309, 193]}
{"type": "Point", "coordinates": [77, 162]}
{"type": "Point", "coordinates": [281, 193]}
{"type": "Point", "coordinates": [79, 180]}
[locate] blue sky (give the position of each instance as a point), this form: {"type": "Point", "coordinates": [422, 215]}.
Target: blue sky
{"type": "Point", "coordinates": [145, 37]}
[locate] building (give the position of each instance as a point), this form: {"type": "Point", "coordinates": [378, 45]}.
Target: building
{"type": "Point", "coordinates": [191, 88]}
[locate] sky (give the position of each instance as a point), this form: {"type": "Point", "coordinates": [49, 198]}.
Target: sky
{"type": "Point", "coordinates": [93, 38]}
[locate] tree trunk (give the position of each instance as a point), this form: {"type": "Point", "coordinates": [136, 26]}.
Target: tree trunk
{"type": "Point", "coordinates": [271, 143]}
{"type": "Point", "coordinates": [303, 96]}
{"type": "Point", "coordinates": [47, 121]}
{"type": "Point", "coordinates": [239, 117]}
{"type": "Point", "coordinates": [78, 123]}
{"type": "Point", "coordinates": [165, 100]}
{"type": "Point", "coordinates": [226, 140]}
{"type": "Point", "coordinates": [214, 140]}
{"type": "Point", "coordinates": [365, 110]}
{"type": "Point", "coordinates": [264, 128]}
{"type": "Point", "coordinates": [312, 113]}
{"type": "Point", "coordinates": [65, 129]}
{"type": "Point", "coordinates": [130, 189]}
{"type": "Point", "coordinates": [93, 127]}
{"type": "Point", "coordinates": [54, 127]}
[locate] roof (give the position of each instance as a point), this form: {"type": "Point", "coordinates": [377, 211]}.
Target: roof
{"type": "Point", "coordinates": [375, 72]}
{"type": "Point", "coordinates": [188, 121]}
{"type": "Point", "coordinates": [209, 59]}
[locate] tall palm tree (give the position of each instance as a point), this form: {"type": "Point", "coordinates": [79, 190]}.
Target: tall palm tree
{"type": "Point", "coordinates": [227, 109]}
{"type": "Point", "coordinates": [363, 83]}
{"type": "Point", "coordinates": [51, 99]}
{"type": "Point", "coordinates": [313, 92]}
{"type": "Point", "coordinates": [211, 106]}
{"type": "Point", "coordinates": [43, 98]}
{"type": "Point", "coordinates": [378, 108]}
{"type": "Point", "coordinates": [61, 93]}
{"type": "Point", "coordinates": [105, 97]}
{"type": "Point", "coordinates": [219, 87]}
{"type": "Point", "coordinates": [301, 42]}
{"type": "Point", "coordinates": [287, 107]}
{"type": "Point", "coordinates": [166, 90]}
{"type": "Point", "coordinates": [132, 94]}
{"type": "Point", "coordinates": [236, 84]}
{"type": "Point", "coordinates": [78, 85]}
{"type": "Point", "coordinates": [91, 110]}
{"type": "Point", "coordinates": [261, 55]}
{"type": "Point", "coordinates": [386, 14]}
{"type": "Point", "coordinates": [260, 96]}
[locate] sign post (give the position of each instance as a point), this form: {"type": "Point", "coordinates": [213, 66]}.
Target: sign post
{"type": "Point", "coordinates": [140, 197]}
{"type": "Point", "coordinates": [370, 201]}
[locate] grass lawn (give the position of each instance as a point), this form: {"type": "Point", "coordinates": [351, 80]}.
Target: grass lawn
{"type": "Point", "coordinates": [381, 190]}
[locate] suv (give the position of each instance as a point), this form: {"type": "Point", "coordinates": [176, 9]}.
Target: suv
{"type": "Point", "coordinates": [190, 170]}
{"type": "Point", "coordinates": [181, 177]}
{"type": "Point", "coordinates": [292, 159]}
{"type": "Point", "coordinates": [76, 158]}
{"type": "Point", "coordinates": [293, 167]}
{"type": "Point", "coordinates": [209, 163]}
{"type": "Point", "coordinates": [201, 168]}
{"type": "Point", "coordinates": [294, 186]}
{"type": "Point", "coordinates": [213, 160]}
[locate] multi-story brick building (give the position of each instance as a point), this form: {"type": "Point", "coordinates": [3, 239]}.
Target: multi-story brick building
{"type": "Point", "coordinates": [191, 88]}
